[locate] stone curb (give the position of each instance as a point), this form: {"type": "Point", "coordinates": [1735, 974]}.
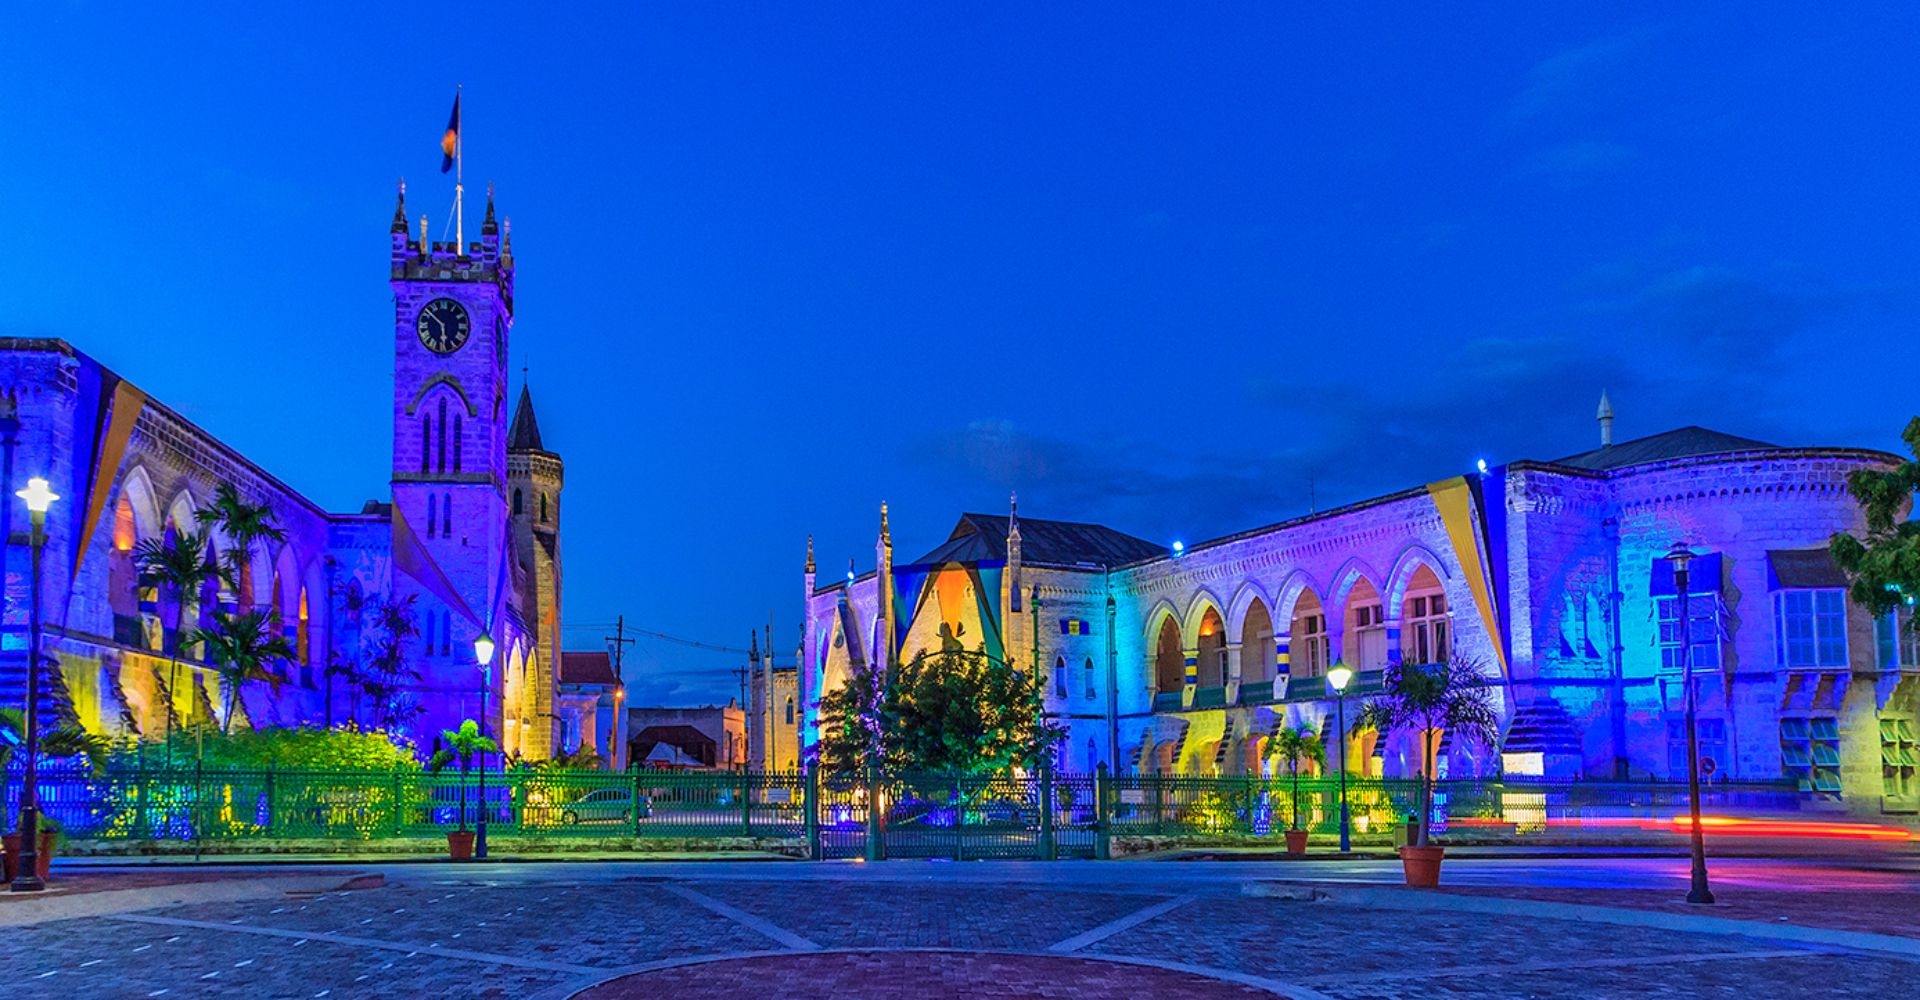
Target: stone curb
{"type": "Point", "coordinates": [16, 912]}
{"type": "Point", "coordinates": [1429, 901]}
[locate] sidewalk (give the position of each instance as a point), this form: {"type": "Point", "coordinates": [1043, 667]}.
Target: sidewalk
{"type": "Point", "coordinates": [73, 894]}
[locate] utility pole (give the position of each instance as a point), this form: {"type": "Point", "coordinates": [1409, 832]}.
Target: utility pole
{"type": "Point", "coordinates": [617, 644]}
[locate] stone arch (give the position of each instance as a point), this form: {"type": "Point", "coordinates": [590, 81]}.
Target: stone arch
{"type": "Point", "coordinates": [1243, 600]}
{"type": "Point", "coordinates": [1169, 657]}
{"type": "Point", "coordinates": [1351, 572]}
{"type": "Point", "coordinates": [1411, 559]}
{"type": "Point", "coordinates": [1256, 635]}
{"type": "Point", "coordinates": [180, 511]}
{"type": "Point", "coordinates": [136, 487]}
{"type": "Point", "coordinates": [1203, 601]}
{"type": "Point", "coordinates": [1298, 582]}
{"type": "Point", "coordinates": [453, 384]}
{"type": "Point", "coordinates": [1210, 646]}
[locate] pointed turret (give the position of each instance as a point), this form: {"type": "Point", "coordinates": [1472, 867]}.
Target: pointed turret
{"type": "Point", "coordinates": [883, 597]}
{"type": "Point", "coordinates": [489, 227]}
{"type": "Point", "coordinates": [810, 566]}
{"type": "Point", "coordinates": [524, 433]}
{"type": "Point", "coordinates": [1605, 416]}
{"type": "Point", "coordinates": [1013, 554]}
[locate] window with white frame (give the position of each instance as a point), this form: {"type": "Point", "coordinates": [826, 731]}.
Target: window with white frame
{"type": "Point", "coordinates": [1703, 632]}
{"type": "Point", "coordinates": [1810, 628]}
{"type": "Point", "coordinates": [1423, 638]}
{"type": "Point", "coordinates": [1309, 654]}
{"type": "Point", "coordinates": [1092, 690]}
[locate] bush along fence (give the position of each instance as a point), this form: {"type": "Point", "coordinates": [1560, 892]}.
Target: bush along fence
{"type": "Point", "coordinates": [809, 814]}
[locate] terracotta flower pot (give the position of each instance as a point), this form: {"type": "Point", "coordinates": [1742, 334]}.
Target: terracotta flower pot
{"type": "Point", "coordinates": [460, 844]}
{"type": "Point", "coordinates": [1422, 865]}
{"type": "Point", "coordinates": [1296, 841]}
{"type": "Point", "coordinates": [44, 861]}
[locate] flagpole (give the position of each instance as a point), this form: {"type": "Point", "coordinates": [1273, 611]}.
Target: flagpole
{"type": "Point", "coordinates": [459, 188]}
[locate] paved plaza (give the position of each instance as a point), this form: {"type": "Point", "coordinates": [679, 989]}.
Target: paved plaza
{"type": "Point", "coordinates": [614, 930]}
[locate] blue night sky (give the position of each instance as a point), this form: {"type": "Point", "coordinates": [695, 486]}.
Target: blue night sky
{"type": "Point", "coordinates": [1160, 268]}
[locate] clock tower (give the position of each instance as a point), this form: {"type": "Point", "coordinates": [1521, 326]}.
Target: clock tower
{"type": "Point", "coordinates": [453, 309]}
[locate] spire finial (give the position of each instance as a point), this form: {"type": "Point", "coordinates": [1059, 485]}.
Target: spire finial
{"type": "Point", "coordinates": [488, 227]}
{"type": "Point", "coordinates": [1605, 416]}
{"type": "Point", "coordinates": [400, 210]}
{"type": "Point", "coordinates": [810, 567]}
{"type": "Point", "coordinates": [885, 533]}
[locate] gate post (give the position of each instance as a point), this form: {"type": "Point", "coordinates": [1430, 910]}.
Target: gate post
{"type": "Point", "coordinates": [1159, 803]}
{"type": "Point", "coordinates": [634, 804]}
{"type": "Point", "coordinates": [1049, 849]}
{"type": "Point", "coordinates": [1102, 850]}
{"type": "Point", "coordinates": [876, 849]}
{"type": "Point", "coordinates": [811, 775]}
{"type": "Point", "coordinates": [746, 803]}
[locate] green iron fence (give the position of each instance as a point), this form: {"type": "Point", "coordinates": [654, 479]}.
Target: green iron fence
{"type": "Point", "coordinates": [1038, 815]}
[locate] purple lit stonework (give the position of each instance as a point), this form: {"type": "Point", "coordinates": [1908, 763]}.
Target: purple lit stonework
{"type": "Point", "coordinates": [470, 534]}
{"type": "Point", "coordinates": [1546, 575]}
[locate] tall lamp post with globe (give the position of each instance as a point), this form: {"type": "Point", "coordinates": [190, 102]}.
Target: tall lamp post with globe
{"type": "Point", "coordinates": [1698, 892]}
{"type": "Point", "coordinates": [27, 877]}
{"type": "Point", "coordinates": [483, 654]}
{"type": "Point", "coordinates": [1338, 678]}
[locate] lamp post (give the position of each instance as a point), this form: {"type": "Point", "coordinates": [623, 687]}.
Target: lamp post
{"type": "Point", "coordinates": [483, 654]}
{"type": "Point", "coordinates": [27, 878]}
{"type": "Point", "coordinates": [1680, 556]}
{"type": "Point", "coordinates": [1338, 677]}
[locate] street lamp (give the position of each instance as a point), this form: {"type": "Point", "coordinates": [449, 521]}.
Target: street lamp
{"type": "Point", "coordinates": [483, 654]}
{"type": "Point", "coordinates": [1338, 677]}
{"type": "Point", "coordinates": [27, 877]}
{"type": "Point", "coordinates": [1680, 556]}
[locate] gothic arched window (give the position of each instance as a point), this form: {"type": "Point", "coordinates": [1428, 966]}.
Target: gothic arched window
{"type": "Point", "coordinates": [543, 508]}
{"type": "Point", "coordinates": [441, 441]}
{"type": "Point", "coordinates": [426, 442]}
{"type": "Point", "coordinates": [446, 516]}
{"type": "Point", "coordinates": [516, 503]}
{"type": "Point", "coordinates": [1060, 677]}
{"type": "Point", "coordinates": [1092, 691]}
{"type": "Point", "coordinates": [433, 511]}
{"type": "Point", "coordinates": [457, 439]}
{"type": "Point", "coordinates": [789, 711]}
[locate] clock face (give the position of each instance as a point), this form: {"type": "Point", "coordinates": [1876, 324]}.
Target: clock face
{"type": "Point", "coordinates": [443, 326]}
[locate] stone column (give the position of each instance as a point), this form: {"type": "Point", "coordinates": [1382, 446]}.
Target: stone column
{"type": "Point", "coordinates": [1191, 678]}
{"type": "Point", "coordinates": [1232, 680]}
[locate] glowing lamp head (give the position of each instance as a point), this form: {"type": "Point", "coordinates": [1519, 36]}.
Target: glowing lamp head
{"type": "Point", "coordinates": [483, 649]}
{"type": "Point", "coordinates": [1179, 547]}
{"type": "Point", "coordinates": [1481, 464]}
{"type": "Point", "coordinates": [1679, 556]}
{"type": "Point", "coordinates": [37, 495]}
{"type": "Point", "coordinates": [1339, 676]}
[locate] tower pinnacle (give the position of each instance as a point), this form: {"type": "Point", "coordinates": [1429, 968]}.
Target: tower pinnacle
{"type": "Point", "coordinates": [810, 566]}
{"type": "Point", "coordinates": [1605, 416]}
{"type": "Point", "coordinates": [400, 210]}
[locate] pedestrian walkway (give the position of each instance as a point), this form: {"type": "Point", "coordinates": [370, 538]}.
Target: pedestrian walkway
{"type": "Point", "coordinates": [953, 931]}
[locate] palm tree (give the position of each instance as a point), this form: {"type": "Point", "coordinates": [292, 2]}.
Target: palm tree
{"type": "Point", "coordinates": [461, 745]}
{"type": "Point", "coordinates": [180, 563]}
{"type": "Point", "coordinates": [1294, 746]}
{"type": "Point", "coordinates": [244, 524]}
{"type": "Point", "coordinates": [244, 648]}
{"type": "Point", "coordinates": [1428, 698]}
{"type": "Point", "coordinates": [60, 741]}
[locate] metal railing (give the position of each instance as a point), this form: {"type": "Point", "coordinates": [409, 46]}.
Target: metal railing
{"type": "Point", "coordinates": [1035, 815]}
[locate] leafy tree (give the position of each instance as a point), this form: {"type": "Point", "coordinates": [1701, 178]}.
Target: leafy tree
{"type": "Point", "coordinates": [244, 524]}
{"type": "Point", "coordinates": [851, 724]}
{"type": "Point", "coordinates": [244, 648]}
{"type": "Point", "coordinates": [460, 745]}
{"type": "Point", "coordinates": [1294, 746]}
{"type": "Point", "coordinates": [1427, 698]}
{"type": "Point", "coordinates": [1884, 567]}
{"type": "Point", "coordinates": [951, 711]}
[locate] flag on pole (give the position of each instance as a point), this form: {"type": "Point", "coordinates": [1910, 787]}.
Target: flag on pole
{"type": "Point", "coordinates": [450, 142]}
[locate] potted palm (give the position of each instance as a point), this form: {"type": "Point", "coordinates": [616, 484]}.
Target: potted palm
{"type": "Point", "coordinates": [461, 745]}
{"type": "Point", "coordinates": [59, 742]}
{"type": "Point", "coordinates": [1294, 746]}
{"type": "Point", "coordinates": [1428, 699]}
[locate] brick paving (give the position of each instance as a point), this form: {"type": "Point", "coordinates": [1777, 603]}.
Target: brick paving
{"type": "Point", "coordinates": [543, 932]}
{"type": "Point", "coordinates": [1849, 909]}
{"type": "Point", "coordinates": [912, 974]}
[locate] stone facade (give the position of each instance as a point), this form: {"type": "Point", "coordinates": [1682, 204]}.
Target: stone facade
{"type": "Point", "coordinates": [1548, 577]}
{"type": "Point", "coordinates": [130, 470]}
